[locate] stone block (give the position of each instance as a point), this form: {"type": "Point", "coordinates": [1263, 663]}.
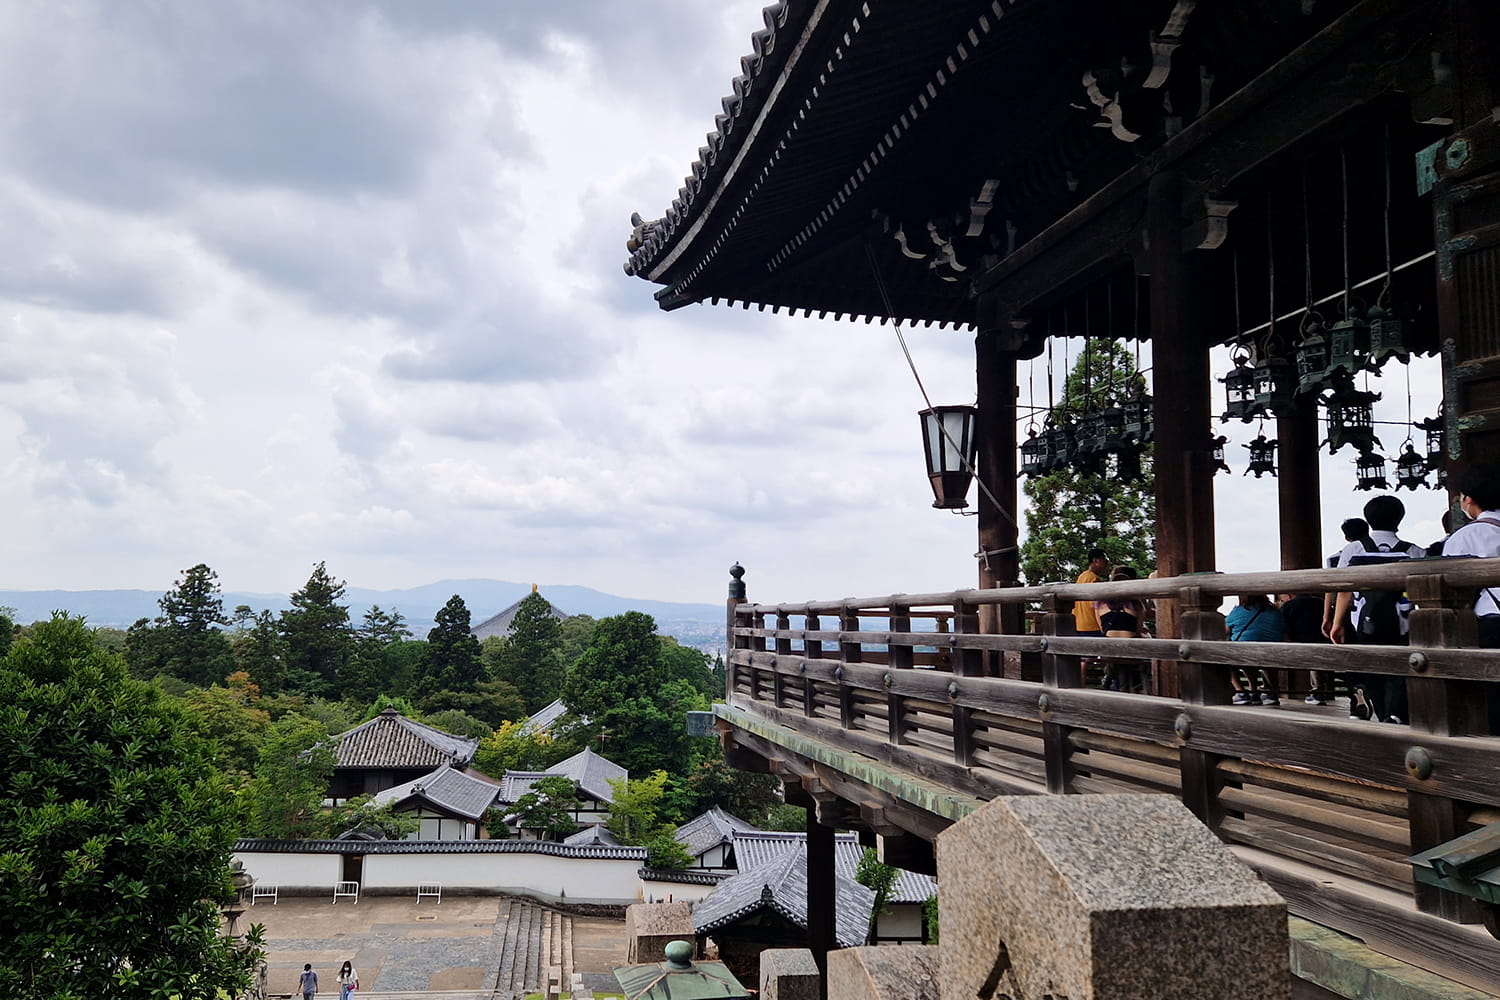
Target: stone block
{"type": "Point", "coordinates": [650, 926]}
{"type": "Point", "coordinates": [1103, 897]}
{"type": "Point", "coordinates": [907, 972]}
{"type": "Point", "coordinates": [788, 974]}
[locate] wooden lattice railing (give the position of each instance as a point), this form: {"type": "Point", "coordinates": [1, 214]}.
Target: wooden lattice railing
{"type": "Point", "coordinates": [1327, 807]}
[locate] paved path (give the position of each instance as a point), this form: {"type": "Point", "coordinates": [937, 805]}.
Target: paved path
{"type": "Point", "coordinates": [464, 948]}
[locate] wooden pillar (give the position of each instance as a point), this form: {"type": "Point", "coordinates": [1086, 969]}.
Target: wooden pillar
{"type": "Point", "coordinates": [1201, 685]}
{"type": "Point", "coordinates": [732, 642]}
{"type": "Point", "coordinates": [820, 916]}
{"type": "Point", "coordinates": [1441, 619]}
{"type": "Point", "coordinates": [995, 375]}
{"type": "Point", "coordinates": [1298, 488]}
{"type": "Point", "coordinates": [1467, 165]}
{"type": "Point", "coordinates": [1181, 390]}
{"type": "Point", "coordinates": [1058, 671]}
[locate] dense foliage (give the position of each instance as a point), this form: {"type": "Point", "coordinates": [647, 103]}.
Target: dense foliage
{"type": "Point", "coordinates": [547, 809]}
{"type": "Point", "coordinates": [115, 832]}
{"type": "Point", "coordinates": [1069, 512]}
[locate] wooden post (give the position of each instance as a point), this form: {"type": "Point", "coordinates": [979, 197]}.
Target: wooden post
{"type": "Point", "coordinates": [1468, 244]}
{"type": "Point", "coordinates": [732, 641]}
{"type": "Point", "coordinates": [1298, 487]}
{"type": "Point", "coordinates": [1185, 483]}
{"type": "Point", "coordinates": [783, 648]}
{"type": "Point", "coordinates": [901, 657]}
{"type": "Point", "coordinates": [999, 558]}
{"type": "Point", "coordinates": [820, 901]}
{"type": "Point", "coordinates": [966, 663]}
{"type": "Point", "coordinates": [813, 650]}
{"type": "Point", "coordinates": [1201, 620]}
{"type": "Point", "coordinates": [1441, 619]}
{"type": "Point", "coordinates": [1058, 672]}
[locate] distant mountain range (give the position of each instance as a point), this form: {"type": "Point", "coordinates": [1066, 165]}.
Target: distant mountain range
{"type": "Point", "coordinates": [697, 625]}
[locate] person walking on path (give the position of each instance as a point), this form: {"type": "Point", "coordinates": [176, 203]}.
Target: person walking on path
{"type": "Point", "coordinates": [348, 980]}
{"type": "Point", "coordinates": [1255, 620]}
{"type": "Point", "coordinates": [308, 982]}
{"type": "Point", "coordinates": [1479, 499]}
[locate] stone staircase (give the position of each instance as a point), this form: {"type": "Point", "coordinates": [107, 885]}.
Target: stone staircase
{"type": "Point", "coordinates": [536, 950]}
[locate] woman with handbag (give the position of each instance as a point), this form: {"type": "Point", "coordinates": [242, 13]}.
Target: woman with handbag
{"type": "Point", "coordinates": [348, 981]}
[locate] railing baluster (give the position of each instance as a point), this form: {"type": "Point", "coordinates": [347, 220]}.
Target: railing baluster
{"type": "Point", "coordinates": [1443, 708]}
{"type": "Point", "coordinates": [968, 663]}
{"type": "Point", "coordinates": [899, 657]}
{"type": "Point", "coordinates": [812, 649]}
{"type": "Point", "coordinates": [849, 652]}
{"type": "Point", "coordinates": [783, 649]}
{"type": "Point", "coordinates": [1058, 671]}
{"type": "Point", "coordinates": [1199, 619]}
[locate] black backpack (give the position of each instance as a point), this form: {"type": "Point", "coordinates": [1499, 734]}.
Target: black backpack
{"type": "Point", "coordinates": [1381, 612]}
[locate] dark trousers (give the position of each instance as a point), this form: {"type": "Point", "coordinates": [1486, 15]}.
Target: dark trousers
{"type": "Point", "coordinates": [1386, 694]}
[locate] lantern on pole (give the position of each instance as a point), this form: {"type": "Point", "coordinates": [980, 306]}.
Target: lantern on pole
{"type": "Point", "coordinates": [1348, 343]}
{"type": "Point", "coordinates": [1351, 417]}
{"type": "Point", "coordinates": [1275, 386]}
{"type": "Point", "coordinates": [1033, 454]}
{"type": "Point", "coordinates": [950, 446]}
{"type": "Point", "coordinates": [1387, 338]}
{"type": "Point", "coordinates": [1370, 472]}
{"type": "Point", "coordinates": [1437, 441]}
{"type": "Point", "coordinates": [1262, 457]}
{"type": "Point", "coordinates": [1058, 437]}
{"type": "Point", "coordinates": [1411, 468]}
{"type": "Point", "coordinates": [1140, 426]}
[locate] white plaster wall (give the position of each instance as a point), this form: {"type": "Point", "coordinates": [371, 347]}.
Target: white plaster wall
{"type": "Point", "coordinates": [674, 892]}
{"type": "Point", "coordinates": [576, 878]}
{"type": "Point", "coordinates": [901, 920]}
{"type": "Point", "coordinates": [321, 870]}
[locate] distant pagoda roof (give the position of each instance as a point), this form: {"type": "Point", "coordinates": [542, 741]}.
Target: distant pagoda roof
{"type": "Point", "coordinates": [498, 625]}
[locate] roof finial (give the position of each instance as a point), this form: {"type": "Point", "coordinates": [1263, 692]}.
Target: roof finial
{"type": "Point", "coordinates": [533, 588]}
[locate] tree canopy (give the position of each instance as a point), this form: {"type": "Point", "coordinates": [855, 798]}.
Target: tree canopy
{"type": "Point", "coordinates": [531, 656]}
{"type": "Point", "coordinates": [318, 638]}
{"type": "Point", "coordinates": [115, 832]}
{"type": "Point", "coordinates": [1069, 512]}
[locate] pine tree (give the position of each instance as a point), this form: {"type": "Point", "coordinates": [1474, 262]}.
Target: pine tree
{"type": "Point", "coordinates": [318, 638]}
{"type": "Point", "coordinates": [1069, 512]}
{"type": "Point", "coordinates": [531, 658]}
{"type": "Point", "coordinates": [452, 651]}
{"type": "Point", "coordinates": [190, 641]}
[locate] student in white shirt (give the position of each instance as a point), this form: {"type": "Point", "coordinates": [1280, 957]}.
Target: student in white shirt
{"type": "Point", "coordinates": [1479, 498]}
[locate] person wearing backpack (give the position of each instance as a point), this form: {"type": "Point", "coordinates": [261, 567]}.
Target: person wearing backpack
{"type": "Point", "coordinates": [1376, 617]}
{"type": "Point", "coordinates": [1479, 498]}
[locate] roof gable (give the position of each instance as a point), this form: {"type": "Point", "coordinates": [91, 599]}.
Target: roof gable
{"type": "Point", "coordinates": [780, 885]}
{"type": "Point", "coordinates": [711, 829]}
{"type": "Point", "coordinates": [392, 740]}
{"type": "Point", "coordinates": [446, 788]}
{"type": "Point", "coordinates": [756, 848]}
{"type": "Point", "coordinates": [498, 625]}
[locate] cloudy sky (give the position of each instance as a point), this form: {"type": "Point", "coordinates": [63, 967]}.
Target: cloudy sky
{"type": "Point", "coordinates": [285, 282]}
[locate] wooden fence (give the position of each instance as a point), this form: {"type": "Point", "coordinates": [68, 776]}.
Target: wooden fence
{"type": "Point", "coordinates": [1326, 807]}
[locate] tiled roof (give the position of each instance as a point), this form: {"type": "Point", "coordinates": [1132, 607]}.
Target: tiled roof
{"type": "Point", "coordinates": [682, 876]}
{"type": "Point", "coordinates": [757, 848]}
{"type": "Point", "coordinates": [592, 836]}
{"type": "Point", "coordinates": [589, 771]}
{"type": "Point", "coordinates": [498, 625]}
{"type": "Point", "coordinates": [550, 848]}
{"type": "Point", "coordinates": [781, 885]}
{"type": "Point", "coordinates": [392, 740]}
{"type": "Point", "coordinates": [711, 829]}
{"type": "Point", "coordinates": [545, 717]}
{"type": "Point", "coordinates": [446, 788]}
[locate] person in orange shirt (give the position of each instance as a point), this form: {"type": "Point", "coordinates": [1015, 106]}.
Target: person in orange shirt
{"type": "Point", "coordinates": [1085, 618]}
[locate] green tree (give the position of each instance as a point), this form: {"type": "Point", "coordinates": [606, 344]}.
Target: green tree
{"type": "Point", "coordinates": [576, 633]}
{"type": "Point", "coordinates": [531, 657]}
{"type": "Point", "coordinates": [547, 808]}
{"type": "Point", "coordinates": [370, 672]}
{"type": "Point", "coordinates": [284, 798]}
{"type": "Point", "coordinates": [491, 702]}
{"type": "Point", "coordinates": [232, 717]}
{"type": "Point", "coordinates": [459, 723]}
{"type": "Point", "coordinates": [318, 638]}
{"type": "Point", "coordinates": [748, 795]}
{"type": "Point", "coordinates": [452, 651]}
{"type": "Point", "coordinates": [1068, 511]}
{"type": "Point", "coordinates": [115, 833]}
{"type": "Point", "coordinates": [665, 852]}
{"type": "Point", "coordinates": [260, 651]}
{"type": "Point", "coordinates": [7, 628]}
{"type": "Point", "coordinates": [872, 873]}
{"type": "Point", "coordinates": [785, 817]}
{"type": "Point", "coordinates": [514, 746]}
{"type": "Point", "coordinates": [635, 812]}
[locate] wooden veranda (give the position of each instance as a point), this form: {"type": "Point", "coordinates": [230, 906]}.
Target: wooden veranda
{"type": "Point", "coordinates": [882, 715]}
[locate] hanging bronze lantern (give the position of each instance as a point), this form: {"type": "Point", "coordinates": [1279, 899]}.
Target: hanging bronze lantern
{"type": "Point", "coordinates": [1437, 441]}
{"type": "Point", "coordinates": [1312, 357]}
{"type": "Point", "coordinates": [1262, 457]}
{"type": "Point", "coordinates": [1351, 416]}
{"type": "Point", "coordinates": [1370, 472]}
{"type": "Point", "coordinates": [1387, 338]}
{"type": "Point", "coordinates": [1239, 390]}
{"type": "Point", "coordinates": [1114, 429]}
{"type": "Point", "coordinates": [1033, 454]}
{"type": "Point", "coordinates": [1140, 426]}
{"type": "Point", "coordinates": [951, 447]}
{"type": "Point", "coordinates": [1216, 452]}
{"type": "Point", "coordinates": [1058, 438]}
{"type": "Point", "coordinates": [1411, 469]}
{"type": "Point", "coordinates": [1275, 386]}
{"type": "Point", "coordinates": [1091, 436]}
{"type": "Point", "coordinates": [1348, 343]}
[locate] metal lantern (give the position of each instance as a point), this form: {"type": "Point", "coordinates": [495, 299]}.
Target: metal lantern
{"type": "Point", "coordinates": [1239, 391]}
{"type": "Point", "coordinates": [1387, 338]}
{"type": "Point", "coordinates": [1275, 386]}
{"type": "Point", "coordinates": [1140, 427]}
{"type": "Point", "coordinates": [1115, 438]}
{"type": "Point", "coordinates": [1312, 357]}
{"type": "Point", "coordinates": [1262, 457]}
{"type": "Point", "coordinates": [1092, 436]}
{"type": "Point", "coordinates": [1411, 469]}
{"type": "Point", "coordinates": [1348, 344]}
{"type": "Point", "coordinates": [1033, 454]}
{"type": "Point", "coordinates": [1370, 472]}
{"type": "Point", "coordinates": [1351, 417]}
{"type": "Point", "coordinates": [1058, 438]}
{"type": "Point", "coordinates": [950, 446]}
{"type": "Point", "coordinates": [1437, 441]}
{"type": "Point", "coordinates": [1216, 452]}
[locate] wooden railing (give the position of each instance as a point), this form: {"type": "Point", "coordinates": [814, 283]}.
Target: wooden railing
{"type": "Point", "coordinates": [1326, 807]}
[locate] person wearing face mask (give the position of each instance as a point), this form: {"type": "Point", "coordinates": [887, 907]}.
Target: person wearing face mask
{"type": "Point", "coordinates": [1479, 499]}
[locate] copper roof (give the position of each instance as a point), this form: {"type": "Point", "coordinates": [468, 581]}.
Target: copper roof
{"type": "Point", "coordinates": [392, 740]}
